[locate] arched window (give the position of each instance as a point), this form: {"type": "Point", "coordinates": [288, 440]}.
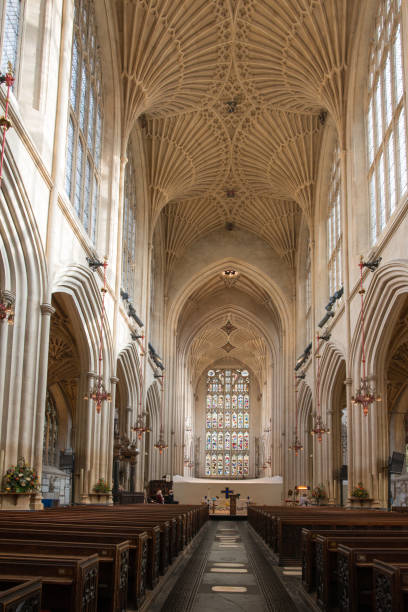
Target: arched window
{"type": "Point", "coordinates": [224, 430]}
{"type": "Point", "coordinates": [84, 141]}
{"type": "Point", "coordinates": [129, 230]}
{"type": "Point", "coordinates": [334, 230]}
{"type": "Point", "coordinates": [308, 296]}
{"type": "Point", "coordinates": [386, 118]}
{"type": "Point", "coordinates": [10, 34]}
{"type": "Point", "coordinates": [50, 456]}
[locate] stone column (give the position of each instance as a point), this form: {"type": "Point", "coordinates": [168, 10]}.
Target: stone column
{"type": "Point", "coordinates": [46, 311]}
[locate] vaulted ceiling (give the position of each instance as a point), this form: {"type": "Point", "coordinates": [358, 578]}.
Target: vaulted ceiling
{"type": "Point", "coordinates": [231, 97]}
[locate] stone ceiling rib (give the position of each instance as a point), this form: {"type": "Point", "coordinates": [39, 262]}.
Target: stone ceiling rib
{"type": "Point", "coordinates": [174, 54]}
{"type": "Point", "coordinates": [232, 94]}
{"type": "Point", "coordinates": [293, 53]}
{"type": "Point", "coordinates": [277, 154]}
{"type": "Point", "coordinates": [186, 158]}
{"type": "Point", "coordinates": [184, 222]}
{"type": "Point", "coordinates": [249, 345]}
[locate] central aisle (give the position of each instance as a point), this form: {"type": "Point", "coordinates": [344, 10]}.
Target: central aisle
{"type": "Point", "coordinates": [230, 570]}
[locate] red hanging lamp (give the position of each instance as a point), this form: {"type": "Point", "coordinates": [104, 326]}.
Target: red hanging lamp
{"type": "Point", "coordinates": [98, 393]}
{"type": "Point", "coordinates": [319, 428]}
{"type": "Point", "coordinates": [296, 445]}
{"type": "Point", "coordinates": [5, 123]}
{"type": "Point", "coordinates": [365, 396]}
{"type": "Point", "coordinates": [161, 444]}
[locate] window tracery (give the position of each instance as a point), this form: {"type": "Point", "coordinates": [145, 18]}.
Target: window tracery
{"type": "Point", "coordinates": [227, 423]}
{"type": "Point", "coordinates": [50, 452]}
{"type": "Point", "coordinates": [386, 118]}
{"type": "Point", "coordinates": [334, 229]}
{"type": "Point", "coordinates": [84, 138]}
{"type": "Point", "coordinates": [10, 34]}
{"type": "Point", "coordinates": [129, 229]}
{"type": "Point", "coordinates": [308, 296]}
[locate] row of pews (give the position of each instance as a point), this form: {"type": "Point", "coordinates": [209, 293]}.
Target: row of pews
{"type": "Point", "coordinates": [90, 558]}
{"type": "Point", "coordinates": [352, 560]}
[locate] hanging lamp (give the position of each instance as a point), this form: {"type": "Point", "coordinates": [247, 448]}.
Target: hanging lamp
{"type": "Point", "coordinates": [161, 444]}
{"type": "Point", "coordinates": [365, 395]}
{"type": "Point", "coordinates": [319, 428]}
{"type": "Point", "coordinates": [296, 445]}
{"type": "Point", "coordinates": [98, 393]}
{"type": "Point", "coordinates": [5, 123]}
{"type": "Point", "coordinates": [140, 426]}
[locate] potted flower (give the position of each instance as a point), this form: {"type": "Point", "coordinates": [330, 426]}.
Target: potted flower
{"type": "Point", "coordinates": [102, 486]}
{"type": "Point", "coordinates": [360, 493]}
{"type": "Point", "coordinates": [19, 482]}
{"type": "Point", "coordinates": [318, 494]}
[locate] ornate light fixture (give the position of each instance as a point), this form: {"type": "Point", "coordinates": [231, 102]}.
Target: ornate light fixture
{"type": "Point", "coordinates": [161, 444]}
{"type": "Point", "coordinates": [7, 300]}
{"type": "Point", "coordinates": [140, 426]}
{"type": "Point", "coordinates": [365, 395]}
{"type": "Point", "coordinates": [319, 428]}
{"type": "Point", "coordinates": [99, 393]}
{"type": "Point", "coordinates": [296, 445]}
{"type": "Point", "coordinates": [5, 123]}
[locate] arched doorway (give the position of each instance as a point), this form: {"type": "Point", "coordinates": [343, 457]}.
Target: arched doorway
{"type": "Point", "coordinates": [64, 371]}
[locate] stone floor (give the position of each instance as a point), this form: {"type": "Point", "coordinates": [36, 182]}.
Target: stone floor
{"type": "Point", "coordinates": [230, 568]}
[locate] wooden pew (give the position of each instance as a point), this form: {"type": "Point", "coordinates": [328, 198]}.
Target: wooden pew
{"type": "Point", "coordinates": [69, 584]}
{"type": "Point", "coordinates": [20, 595]}
{"type": "Point", "coordinates": [390, 585]}
{"type": "Point", "coordinates": [355, 574]}
{"type": "Point", "coordinates": [137, 550]}
{"type": "Point", "coordinates": [113, 564]}
{"type": "Point", "coordinates": [327, 560]}
{"type": "Point", "coordinates": [290, 530]}
{"type": "Point", "coordinates": [309, 549]}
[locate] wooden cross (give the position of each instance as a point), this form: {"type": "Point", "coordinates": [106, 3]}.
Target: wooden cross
{"type": "Point", "coordinates": [227, 492]}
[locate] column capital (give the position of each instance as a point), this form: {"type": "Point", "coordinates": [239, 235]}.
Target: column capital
{"type": "Point", "coordinates": [348, 381]}
{"type": "Point", "coordinates": [47, 309]}
{"type": "Point", "coordinates": [114, 380]}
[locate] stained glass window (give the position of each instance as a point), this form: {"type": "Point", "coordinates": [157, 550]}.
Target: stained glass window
{"type": "Point", "coordinates": [10, 34]}
{"type": "Point", "coordinates": [129, 229]}
{"type": "Point", "coordinates": [50, 455]}
{"type": "Point", "coordinates": [386, 118]}
{"type": "Point", "coordinates": [82, 169]}
{"type": "Point", "coordinates": [334, 231]}
{"type": "Point", "coordinates": [227, 432]}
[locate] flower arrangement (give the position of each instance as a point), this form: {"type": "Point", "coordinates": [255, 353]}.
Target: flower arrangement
{"type": "Point", "coordinates": [319, 493]}
{"type": "Point", "coordinates": [102, 486]}
{"type": "Point", "coordinates": [21, 478]}
{"type": "Point", "coordinates": [360, 491]}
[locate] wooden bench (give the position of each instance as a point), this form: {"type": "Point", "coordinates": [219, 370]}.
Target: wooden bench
{"type": "Point", "coordinates": [309, 549]}
{"type": "Point", "coordinates": [137, 550]}
{"type": "Point", "coordinates": [289, 547]}
{"type": "Point", "coordinates": [20, 595]}
{"type": "Point", "coordinates": [113, 564]}
{"type": "Point", "coordinates": [327, 561]}
{"type": "Point", "coordinates": [390, 583]}
{"type": "Point", "coordinates": [69, 584]}
{"type": "Point", "coordinates": [355, 574]}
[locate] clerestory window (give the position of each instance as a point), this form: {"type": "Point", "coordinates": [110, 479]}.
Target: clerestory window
{"type": "Point", "coordinates": [10, 16]}
{"type": "Point", "coordinates": [84, 141]}
{"type": "Point", "coordinates": [386, 118]}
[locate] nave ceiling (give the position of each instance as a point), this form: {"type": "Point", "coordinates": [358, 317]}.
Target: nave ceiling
{"type": "Point", "coordinates": [231, 97]}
